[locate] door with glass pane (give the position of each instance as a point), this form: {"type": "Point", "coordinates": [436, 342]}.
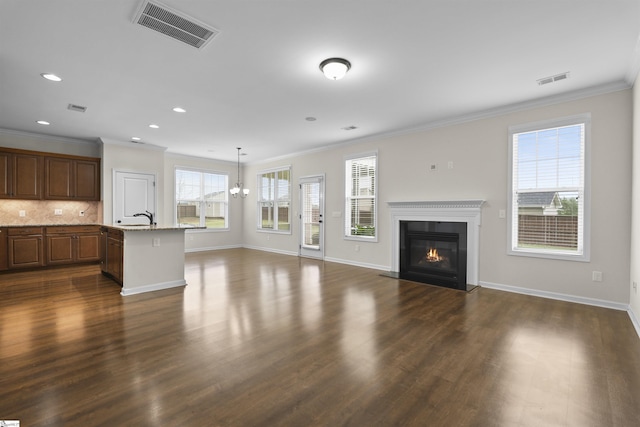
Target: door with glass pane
{"type": "Point", "coordinates": [312, 216]}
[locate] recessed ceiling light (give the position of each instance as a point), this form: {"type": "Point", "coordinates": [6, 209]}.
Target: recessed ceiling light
{"type": "Point", "coordinates": [52, 77]}
{"type": "Point", "coordinates": [43, 122]}
{"type": "Point", "coordinates": [179, 110]}
{"type": "Point", "coordinates": [135, 138]}
{"type": "Point", "coordinates": [152, 126]}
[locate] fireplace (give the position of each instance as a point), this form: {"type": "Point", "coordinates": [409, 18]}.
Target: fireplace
{"type": "Point", "coordinates": [434, 252]}
{"type": "Point", "coordinates": [451, 228]}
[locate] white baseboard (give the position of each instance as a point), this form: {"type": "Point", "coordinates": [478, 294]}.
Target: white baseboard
{"type": "Point", "coordinates": [634, 320]}
{"type": "Point", "coordinates": [556, 296]}
{"type": "Point", "coordinates": [152, 287]}
{"type": "Point", "coordinates": [358, 264]}
{"type": "Point", "coordinates": [275, 251]}
{"type": "Point", "coordinates": [211, 248]}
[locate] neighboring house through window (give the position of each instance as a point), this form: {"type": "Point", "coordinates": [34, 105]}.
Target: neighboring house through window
{"type": "Point", "coordinates": [361, 196]}
{"type": "Point", "coordinates": [201, 198]}
{"type": "Point", "coordinates": [274, 200]}
{"type": "Point", "coordinates": [549, 192]}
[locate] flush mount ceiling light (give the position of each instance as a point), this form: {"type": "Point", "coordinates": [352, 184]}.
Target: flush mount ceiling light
{"type": "Point", "coordinates": [51, 76]}
{"type": "Point", "coordinates": [335, 68]}
{"type": "Point", "coordinates": [179, 110]}
{"type": "Point", "coordinates": [154, 126]}
{"type": "Point", "coordinates": [237, 189]}
{"type": "Point", "coordinates": [43, 122]}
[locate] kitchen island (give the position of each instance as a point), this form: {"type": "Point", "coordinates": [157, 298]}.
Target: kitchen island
{"type": "Point", "coordinates": [143, 258]}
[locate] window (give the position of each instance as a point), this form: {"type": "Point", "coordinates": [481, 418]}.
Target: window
{"type": "Point", "coordinates": [201, 198]}
{"type": "Point", "coordinates": [549, 197]}
{"type": "Point", "coordinates": [360, 196]}
{"type": "Point", "coordinates": [274, 200]}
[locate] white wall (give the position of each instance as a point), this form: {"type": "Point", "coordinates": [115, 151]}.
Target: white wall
{"type": "Point", "coordinates": [634, 295]}
{"type": "Point", "coordinates": [479, 150]}
{"type": "Point", "coordinates": [130, 157]}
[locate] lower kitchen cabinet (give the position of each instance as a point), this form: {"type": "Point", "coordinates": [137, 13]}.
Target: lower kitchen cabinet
{"type": "Point", "coordinates": [25, 247]}
{"type": "Point", "coordinates": [72, 244]}
{"type": "Point", "coordinates": [4, 247]}
{"type": "Point", "coordinates": [112, 258]}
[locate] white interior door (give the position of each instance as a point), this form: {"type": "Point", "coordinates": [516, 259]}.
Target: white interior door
{"type": "Point", "coordinates": [133, 193]}
{"type": "Point", "coordinates": [312, 216]}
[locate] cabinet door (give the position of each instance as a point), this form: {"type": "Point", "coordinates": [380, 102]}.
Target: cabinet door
{"type": "Point", "coordinates": [4, 246]}
{"type": "Point", "coordinates": [26, 251]}
{"type": "Point", "coordinates": [87, 247]}
{"type": "Point", "coordinates": [58, 178]}
{"type": "Point", "coordinates": [114, 258]}
{"type": "Point", "coordinates": [27, 176]}
{"type": "Point", "coordinates": [87, 180]}
{"type": "Point", "coordinates": [60, 249]}
{"type": "Point", "coordinates": [5, 175]}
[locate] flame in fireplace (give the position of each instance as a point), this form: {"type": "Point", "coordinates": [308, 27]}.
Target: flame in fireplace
{"type": "Point", "coordinates": [433, 256]}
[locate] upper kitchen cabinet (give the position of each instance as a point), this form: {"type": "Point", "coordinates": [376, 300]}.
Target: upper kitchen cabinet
{"type": "Point", "coordinates": [71, 178]}
{"type": "Point", "coordinates": [20, 175]}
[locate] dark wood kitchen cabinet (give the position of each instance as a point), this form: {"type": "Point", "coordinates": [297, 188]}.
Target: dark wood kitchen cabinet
{"type": "Point", "coordinates": [112, 260]}
{"type": "Point", "coordinates": [4, 256]}
{"type": "Point", "coordinates": [71, 179]}
{"type": "Point", "coordinates": [72, 244]}
{"type": "Point", "coordinates": [26, 247]}
{"type": "Point", "coordinates": [20, 175]}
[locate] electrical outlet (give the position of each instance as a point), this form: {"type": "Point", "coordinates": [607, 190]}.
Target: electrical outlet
{"type": "Point", "coordinates": [57, 212]}
{"type": "Point", "coordinates": [357, 248]}
{"type": "Point", "coordinates": [502, 214]}
{"type": "Point", "coordinates": [22, 213]}
{"type": "Point", "coordinates": [450, 165]}
{"type": "Point", "coordinates": [156, 242]}
{"type": "Point", "coordinates": [596, 276]}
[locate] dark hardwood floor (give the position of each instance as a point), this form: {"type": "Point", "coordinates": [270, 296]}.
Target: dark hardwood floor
{"type": "Point", "coordinates": [260, 339]}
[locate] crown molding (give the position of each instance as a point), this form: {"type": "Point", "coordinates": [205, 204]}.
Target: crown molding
{"type": "Point", "coordinates": [47, 137]}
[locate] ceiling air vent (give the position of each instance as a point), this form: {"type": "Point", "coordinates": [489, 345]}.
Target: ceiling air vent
{"type": "Point", "coordinates": [552, 79]}
{"type": "Point", "coordinates": [78, 108]}
{"type": "Point", "coordinates": [349, 128]}
{"type": "Point", "coordinates": [174, 24]}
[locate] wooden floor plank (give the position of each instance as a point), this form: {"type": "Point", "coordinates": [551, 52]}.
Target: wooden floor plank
{"type": "Point", "coordinates": [264, 339]}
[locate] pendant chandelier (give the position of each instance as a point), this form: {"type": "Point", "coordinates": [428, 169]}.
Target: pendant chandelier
{"type": "Point", "coordinates": [237, 189]}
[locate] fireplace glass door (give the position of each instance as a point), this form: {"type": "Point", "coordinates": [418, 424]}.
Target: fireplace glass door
{"type": "Point", "coordinates": [434, 252]}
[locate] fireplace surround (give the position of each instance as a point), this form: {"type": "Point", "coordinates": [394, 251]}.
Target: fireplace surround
{"type": "Point", "coordinates": [467, 212]}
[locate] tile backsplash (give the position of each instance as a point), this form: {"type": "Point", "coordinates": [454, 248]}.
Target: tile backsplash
{"type": "Point", "coordinates": [49, 212]}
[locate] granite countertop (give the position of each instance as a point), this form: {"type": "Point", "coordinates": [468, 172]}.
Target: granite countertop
{"type": "Point", "coordinates": [157, 227]}
{"type": "Point", "coordinates": [48, 225]}
{"type": "Point", "coordinates": [141, 227]}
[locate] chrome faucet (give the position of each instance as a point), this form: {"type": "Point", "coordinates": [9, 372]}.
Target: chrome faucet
{"type": "Point", "coordinates": [147, 214]}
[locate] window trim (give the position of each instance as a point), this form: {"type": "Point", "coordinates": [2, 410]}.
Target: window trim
{"type": "Point", "coordinates": [259, 228]}
{"type": "Point", "coordinates": [347, 188]}
{"type": "Point", "coordinates": [175, 199]}
{"type": "Point", "coordinates": [585, 256]}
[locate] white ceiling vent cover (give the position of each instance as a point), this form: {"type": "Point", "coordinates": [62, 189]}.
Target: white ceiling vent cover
{"type": "Point", "coordinates": [174, 24]}
{"type": "Point", "coordinates": [551, 79]}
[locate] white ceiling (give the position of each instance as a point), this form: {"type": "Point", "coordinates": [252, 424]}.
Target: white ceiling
{"type": "Point", "coordinates": [415, 64]}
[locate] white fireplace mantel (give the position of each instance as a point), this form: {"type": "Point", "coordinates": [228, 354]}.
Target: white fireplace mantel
{"type": "Point", "coordinates": [468, 211]}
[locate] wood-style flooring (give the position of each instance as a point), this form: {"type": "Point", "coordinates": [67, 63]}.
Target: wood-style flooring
{"type": "Point", "coordinates": [261, 339]}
